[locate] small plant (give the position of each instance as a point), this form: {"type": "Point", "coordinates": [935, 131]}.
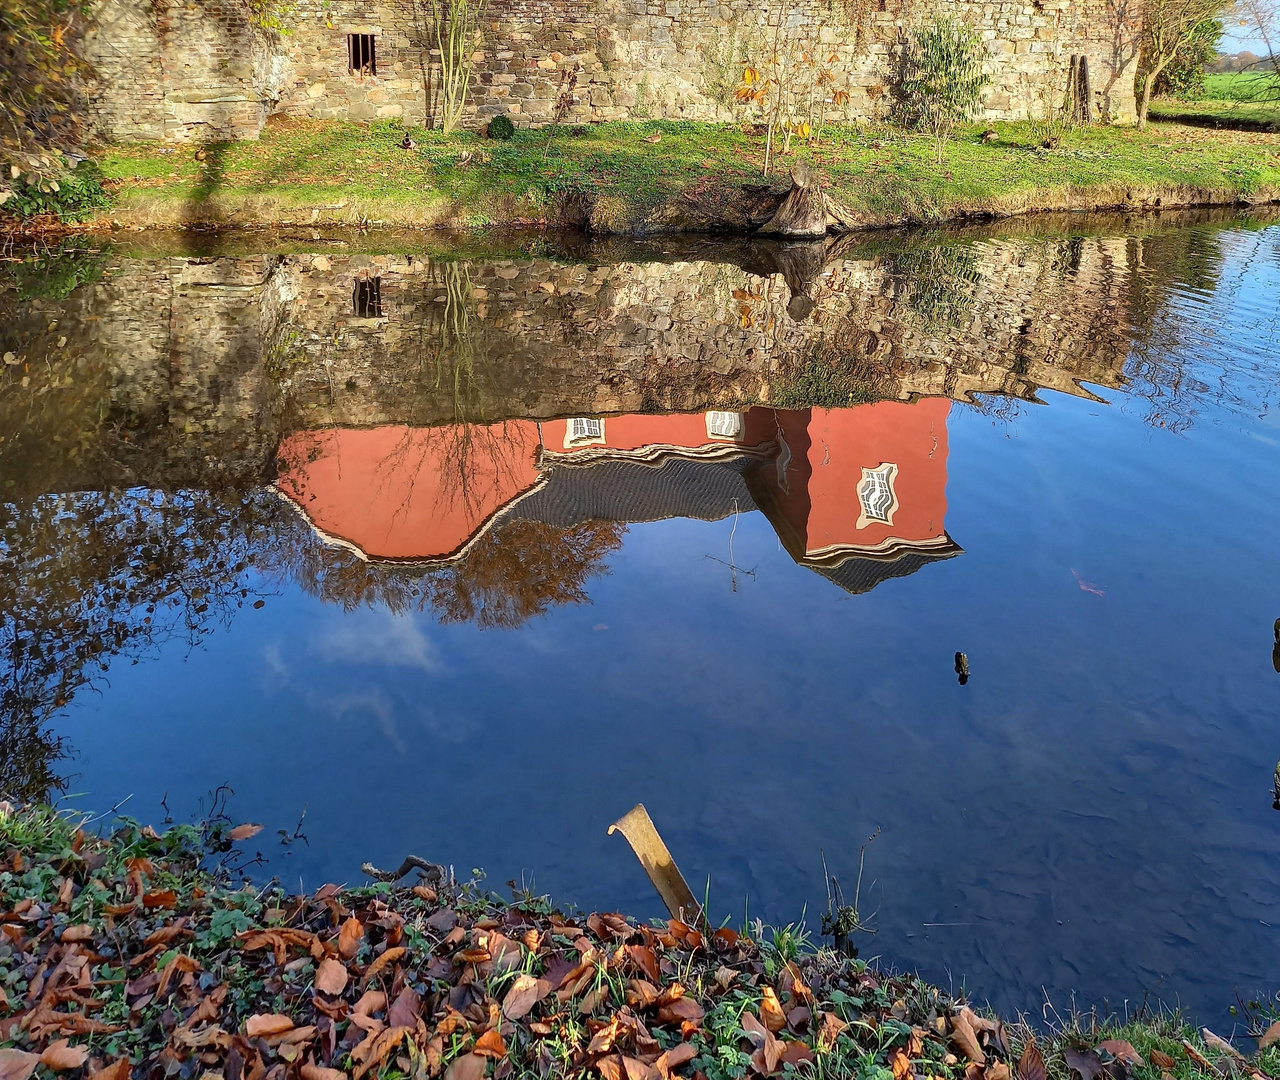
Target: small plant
{"type": "Point", "coordinates": [944, 77]}
{"type": "Point", "coordinates": [72, 196]}
{"type": "Point", "coordinates": [501, 127]}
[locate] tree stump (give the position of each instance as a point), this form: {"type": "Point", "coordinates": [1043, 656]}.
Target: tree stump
{"type": "Point", "coordinates": [804, 211]}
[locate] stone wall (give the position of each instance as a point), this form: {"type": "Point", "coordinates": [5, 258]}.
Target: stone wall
{"type": "Point", "coordinates": [203, 70]}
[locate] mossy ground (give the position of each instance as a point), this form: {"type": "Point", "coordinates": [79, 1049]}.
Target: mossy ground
{"type": "Point", "coordinates": [311, 171]}
{"type": "Point", "coordinates": [137, 954]}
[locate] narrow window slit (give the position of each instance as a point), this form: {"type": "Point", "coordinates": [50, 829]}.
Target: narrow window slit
{"type": "Point", "coordinates": [366, 301]}
{"type": "Point", "coordinates": [361, 53]}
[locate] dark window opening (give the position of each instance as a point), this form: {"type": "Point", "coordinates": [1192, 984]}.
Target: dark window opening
{"type": "Point", "coordinates": [367, 299]}
{"type": "Point", "coordinates": [361, 54]}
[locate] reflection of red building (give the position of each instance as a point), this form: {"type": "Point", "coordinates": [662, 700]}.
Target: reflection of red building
{"type": "Point", "coordinates": [858, 494]}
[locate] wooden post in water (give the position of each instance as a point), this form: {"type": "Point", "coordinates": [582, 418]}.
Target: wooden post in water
{"type": "Point", "coordinates": [637, 827]}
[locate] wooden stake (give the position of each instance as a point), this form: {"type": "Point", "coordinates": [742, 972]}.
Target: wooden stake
{"type": "Point", "coordinates": [637, 827]}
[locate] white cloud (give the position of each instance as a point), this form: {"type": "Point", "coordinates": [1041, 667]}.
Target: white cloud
{"type": "Point", "coordinates": [378, 637]}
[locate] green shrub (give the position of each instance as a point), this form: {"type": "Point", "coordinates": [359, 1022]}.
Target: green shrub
{"type": "Point", "coordinates": [501, 127]}
{"type": "Point", "coordinates": [72, 196]}
{"type": "Point", "coordinates": [943, 77]}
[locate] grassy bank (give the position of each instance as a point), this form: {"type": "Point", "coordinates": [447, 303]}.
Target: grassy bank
{"type": "Point", "coordinates": [137, 954]}
{"type": "Point", "coordinates": [625, 177]}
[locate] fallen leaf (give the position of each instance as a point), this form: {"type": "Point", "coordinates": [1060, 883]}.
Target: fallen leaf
{"type": "Point", "coordinates": [771, 1011]}
{"type": "Point", "coordinates": [405, 1008]}
{"type": "Point", "coordinates": [349, 938]}
{"type": "Point", "coordinates": [490, 1044]}
{"type": "Point", "coordinates": [901, 1065]}
{"type": "Point", "coordinates": [163, 898]}
{"type": "Point", "coordinates": [670, 1060]}
{"type": "Point", "coordinates": [61, 1056]}
{"type": "Point", "coordinates": [1124, 1052]}
{"type": "Point", "coordinates": [263, 1024]}
{"type": "Point", "coordinates": [524, 994]}
{"type": "Point", "coordinates": [1085, 1062]}
{"type": "Point", "coordinates": [1215, 1041]}
{"type": "Point", "coordinates": [1031, 1065]}
{"type": "Point", "coordinates": [645, 959]}
{"type": "Point", "coordinates": [117, 1070]}
{"type": "Point", "coordinates": [388, 957]}
{"type": "Point", "coordinates": [832, 1025]}
{"type": "Point", "coordinates": [83, 932]}
{"type": "Point", "coordinates": [997, 1071]}
{"type": "Point", "coordinates": [317, 1072]}
{"type": "Point", "coordinates": [466, 1067]}
{"type": "Point", "coordinates": [331, 977]}
{"type": "Point", "coordinates": [594, 999]}
{"type": "Point", "coordinates": [425, 892]}
{"type": "Point", "coordinates": [17, 1064]}
{"type": "Point", "coordinates": [1269, 1038]}
{"type": "Point", "coordinates": [963, 1035]}
{"type": "Point", "coordinates": [680, 1010]}
{"type": "Point", "coordinates": [244, 832]}
{"type": "Point", "coordinates": [795, 1053]}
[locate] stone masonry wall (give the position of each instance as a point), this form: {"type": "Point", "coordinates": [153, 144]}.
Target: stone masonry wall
{"type": "Point", "coordinates": [203, 71]}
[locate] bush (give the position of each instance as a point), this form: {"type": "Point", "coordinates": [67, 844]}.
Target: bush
{"type": "Point", "coordinates": [72, 196]}
{"type": "Point", "coordinates": [501, 127]}
{"type": "Point", "coordinates": [1184, 77]}
{"type": "Point", "coordinates": [943, 77]}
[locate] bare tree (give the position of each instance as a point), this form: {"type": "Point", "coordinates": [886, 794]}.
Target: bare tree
{"type": "Point", "coordinates": [1169, 26]}
{"type": "Point", "coordinates": [1264, 17]}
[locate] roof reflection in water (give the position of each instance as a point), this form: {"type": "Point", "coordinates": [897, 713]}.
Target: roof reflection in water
{"type": "Point", "coordinates": [857, 494]}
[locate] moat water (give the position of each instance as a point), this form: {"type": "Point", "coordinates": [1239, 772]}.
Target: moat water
{"type": "Point", "coordinates": [464, 553]}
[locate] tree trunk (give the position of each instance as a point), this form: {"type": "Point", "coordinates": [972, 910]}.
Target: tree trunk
{"type": "Point", "coordinates": [804, 211]}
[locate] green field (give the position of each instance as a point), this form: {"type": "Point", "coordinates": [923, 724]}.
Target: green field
{"type": "Point", "coordinates": [1248, 100]}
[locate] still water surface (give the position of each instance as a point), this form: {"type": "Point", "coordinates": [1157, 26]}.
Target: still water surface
{"type": "Point", "coordinates": [466, 556]}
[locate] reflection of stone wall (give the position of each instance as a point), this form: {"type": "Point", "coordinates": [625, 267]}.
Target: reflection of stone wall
{"type": "Point", "coordinates": [211, 358]}
{"type": "Point", "coordinates": [201, 69]}
{"type": "Point", "coordinates": [534, 338]}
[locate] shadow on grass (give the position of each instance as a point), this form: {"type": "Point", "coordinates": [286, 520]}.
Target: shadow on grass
{"type": "Point", "coordinates": [213, 175]}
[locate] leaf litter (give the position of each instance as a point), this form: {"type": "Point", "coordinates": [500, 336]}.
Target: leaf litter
{"type": "Point", "coordinates": [215, 982]}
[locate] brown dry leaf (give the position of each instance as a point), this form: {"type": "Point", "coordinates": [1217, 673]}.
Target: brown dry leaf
{"type": "Point", "coordinates": [1031, 1065]}
{"type": "Point", "coordinates": [724, 976]}
{"type": "Point", "coordinates": [641, 994]}
{"type": "Point", "coordinates": [1269, 1038]}
{"type": "Point", "coordinates": [610, 1068]}
{"type": "Point", "coordinates": [405, 1009]}
{"type": "Point", "coordinates": [1215, 1042]}
{"type": "Point", "coordinates": [17, 1064]}
{"type": "Point", "coordinates": [490, 1044]}
{"type": "Point", "coordinates": [1161, 1060]}
{"type": "Point", "coordinates": [425, 892]}
{"type": "Point", "coordinates": [263, 1024]}
{"type": "Point", "coordinates": [524, 994]}
{"type": "Point", "coordinates": [997, 1071]}
{"type": "Point", "coordinates": [60, 1056]}
{"type": "Point", "coordinates": [466, 1067]}
{"type": "Point", "coordinates": [635, 1069]}
{"type": "Point", "coordinates": [830, 1030]}
{"type": "Point", "coordinates": [371, 1053]}
{"type": "Point", "coordinates": [1125, 1053]}
{"type": "Point", "coordinates": [670, 1060]}
{"type": "Point", "coordinates": [83, 932]}
{"type": "Point", "coordinates": [795, 1053]}
{"type": "Point", "coordinates": [163, 898]}
{"type": "Point", "coordinates": [349, 938]}
{"type": "Point", "coordinates": [901, 1065]}
{"type": "Point", "coordinates": [331, 977]}
{"type": "Point", "coordinates": [245, 832]}
{"type": "Point", "coordinates": [771, 1011]}
{"type": "Point", "coordinates": [117, 1070]}
{"type": "Point", "coordinates": [1086, 1062]}
{"type": "Point", "coordinates": [646, 960]}
{"type": "Point", "coordinates": [317, 1072]}
{"type": "Point", "coordinates": [388, 957]}
{"type": "Point", "coordinates": [680, 1010]}
{"type": "Point", "coordinates": [963, 1035]}
{"type": "Point", "coordinates": [594, 999]}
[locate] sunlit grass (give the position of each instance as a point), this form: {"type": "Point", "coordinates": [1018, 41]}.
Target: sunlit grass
{"type": "Point", "coordinates": [347, 171]}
